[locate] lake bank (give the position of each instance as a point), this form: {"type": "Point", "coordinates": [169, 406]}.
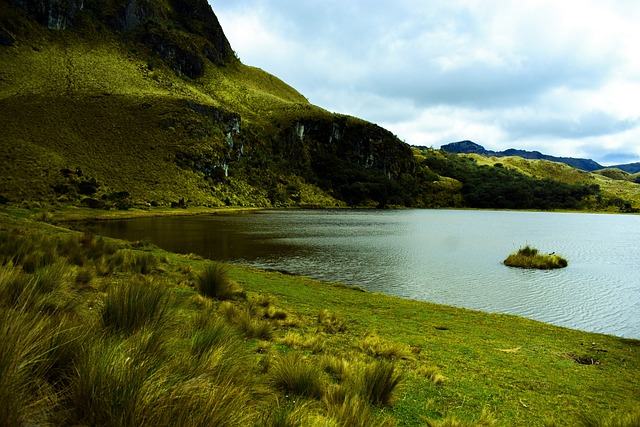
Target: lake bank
{"type": "Point", "coordinates": [522, 371]}
{"type": "Point", "coordinates": [451, 257]}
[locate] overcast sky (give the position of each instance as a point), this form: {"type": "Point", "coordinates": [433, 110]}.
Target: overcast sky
{"type": "Point", "coordinates": [558, 76]}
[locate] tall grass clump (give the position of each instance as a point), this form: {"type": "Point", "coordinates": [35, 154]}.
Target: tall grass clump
{"type": "Point", "coordinates": [199, 401]}
{"type": "Point", "coordinates": [214, 282]}
{"type": "Point", "coordinates": [26, 398]}
{"type": "Point", "coordinates": [378, 347]}
{"type": "Point", "coordinates": [107, 388]}
{"type": "Point", "coordinates": [290, 414]}
{"type": "Point", "coordinates": [292, 373]}
{"type": "Point", "coordinates": [135, 304]}
{"type": "Point", "coordinates": [378, 381]}
{"type": "Point", "coordinates": [528, 257]}
{"type": "Point", "coordinates": [351, 410]}
{"type": "Point", "coordinates": [330, 322]}
{"type": "Point", "coordinates": [142, 262]}
{"type": "Point", "coordinates": [210, 332]}
{"type": "Point", "coordinates": [630, 419]}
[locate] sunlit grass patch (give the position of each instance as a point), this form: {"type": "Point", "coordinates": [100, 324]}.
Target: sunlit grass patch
{"type": "Point", "coordinates": [314, 343]}
{"type": "Point", "coordinates": [378, 347]}
{"type": "Point", "coordinates": [432, 373]}
{"type": "Point", "coordinates": [330, 322]}
{"type": "Point", "coordinates": [528, 257]}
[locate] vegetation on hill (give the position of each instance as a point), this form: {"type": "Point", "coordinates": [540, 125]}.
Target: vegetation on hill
{"type": "Point", "coordinates": [614, 195]}
{"type": "Point", "coordinates": [95, 331]}
{"type": "Point", "coordinates": [113, 104]}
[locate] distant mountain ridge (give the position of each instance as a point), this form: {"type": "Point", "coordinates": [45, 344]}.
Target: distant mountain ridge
{"type": "Point", "coordinates": [470, 147]}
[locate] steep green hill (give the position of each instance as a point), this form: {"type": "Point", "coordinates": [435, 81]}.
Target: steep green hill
{"type": "Point", "coordinates": [145, 102]}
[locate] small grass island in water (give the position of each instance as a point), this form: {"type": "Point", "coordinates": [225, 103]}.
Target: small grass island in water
{"type": "Point", "coordinates": [529, 257]}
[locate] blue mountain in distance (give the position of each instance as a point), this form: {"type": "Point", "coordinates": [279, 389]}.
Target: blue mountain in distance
{"type": "Point", "coordinates": [470, 147]}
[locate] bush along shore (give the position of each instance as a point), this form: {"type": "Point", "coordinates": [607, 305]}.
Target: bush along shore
{"type": "Point", "coordinates": [95, 331]}
{"type": "Point", "coordinates": [528, 257]}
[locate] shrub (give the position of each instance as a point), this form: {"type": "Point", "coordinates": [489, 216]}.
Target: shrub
{"type": "Point", "coordinates": [292, 373]}
{"type": "Point", "coordinates": [131, 306]}
{"type": "Point", "coordinates": [378, 382]}
{"type": "Point", "coordinates": [214, 282]}
{"type": "Point", "coordinates": [528, 257]}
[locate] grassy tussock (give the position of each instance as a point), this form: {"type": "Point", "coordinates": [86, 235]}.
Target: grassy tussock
{"type": "Point", "coordinates": [485, 420]}
{"type": "Point", "coordinates": [631, 419]}
{"type": "Point", "coordinates": [378, 347]}
{"type": "Point", "coordinates": [135, 304]}
{"type": "Point", "coordinates": [528, 257]}
{"type": "Point", "coordinates": [26, 396]}
{"type": "Point", "coordinates": [294, 374]}
{"type": "Point", "coordinates": [214, 282]}
{"type": "Point", "coordinates": [294, 340]}
{"type": "Point", "coordinates": [353, 411]}
{"type": "Point", "coordinates": [378, 381]}
{"type": "Point", "coordinates": [432, 373]}
{"type": "Point", "coordinates": [330, 322]}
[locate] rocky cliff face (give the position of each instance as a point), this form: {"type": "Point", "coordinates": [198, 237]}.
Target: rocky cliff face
{"type": "Point", "coordinates": [183, 33]}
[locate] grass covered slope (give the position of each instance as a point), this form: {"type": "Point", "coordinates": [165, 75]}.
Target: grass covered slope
{"type": "Point", "coordinates": [98, 331]}
{"type": "Point", "coordinates": [148, 115]}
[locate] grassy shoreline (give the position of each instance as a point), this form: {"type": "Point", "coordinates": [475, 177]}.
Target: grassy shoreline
{"type": "Point", "coordinates": [456, 364]}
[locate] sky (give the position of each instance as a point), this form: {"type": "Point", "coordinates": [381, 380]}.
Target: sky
{"type": "Point", "coordinates": [559, 77]}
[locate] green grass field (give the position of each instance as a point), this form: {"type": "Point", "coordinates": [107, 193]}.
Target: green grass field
{"type": "Point", "coordinates": [104, 332]}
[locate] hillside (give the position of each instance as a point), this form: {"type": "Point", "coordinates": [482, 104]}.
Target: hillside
{"type": "Point", "coordinates": [130, 102]}
{"type": "Point", "coordinates": [470, 147]}
{"type": "Point", "coordinates": [126, 103]}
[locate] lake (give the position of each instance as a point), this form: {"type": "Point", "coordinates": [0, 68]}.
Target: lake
{"type": "Point", "coordinates": [451, 257]}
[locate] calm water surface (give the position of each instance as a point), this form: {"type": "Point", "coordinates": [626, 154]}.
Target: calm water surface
{"type": "Point", "coordinates": [444, 256]}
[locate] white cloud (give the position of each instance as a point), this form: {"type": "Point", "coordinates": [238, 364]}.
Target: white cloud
{"type": "Point", "coordinates": [558, 77]}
